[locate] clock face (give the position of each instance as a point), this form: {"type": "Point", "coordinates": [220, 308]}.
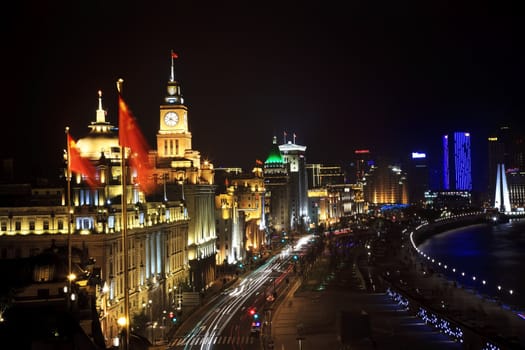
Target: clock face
{"type": "Point", "coordinates": [171, 118]}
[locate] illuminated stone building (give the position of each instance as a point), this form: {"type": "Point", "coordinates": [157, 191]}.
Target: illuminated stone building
{"type": "Point", "coordinates": [180, 169]}
{"type": "Point", "coordinates": [229, 220]}
{"type": "Point", "coordinates": [250, 192]}
{"type": "Point", "coordinates": [294, 157]}
{"type": "Point", "coordinates": [330, 196]}
{"type": "Point", "coordinates": [240, 205]}
{"type": "Point", "coordinates": [276, 182]}
{"type": "Point", "coordinates": [171, 232]}
{"type": "Point", "coordinates": [157, 232]}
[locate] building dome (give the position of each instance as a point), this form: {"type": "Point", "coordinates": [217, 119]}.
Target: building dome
{"type": "Point", "coordinates": [275, 157]}
{"type": "Point", "coordinates": [95, 144]}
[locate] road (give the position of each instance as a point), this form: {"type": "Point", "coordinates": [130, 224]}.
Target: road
{"type": "Point", "coordinates": [241, 316]}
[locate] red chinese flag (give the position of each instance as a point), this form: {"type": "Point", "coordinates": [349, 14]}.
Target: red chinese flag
{"type": "Point", "coordinates": [81, 165]}
{"type": "Point", "coordinates": [131, 137]}
{"type": "Point", "coordinates": [174, 55]}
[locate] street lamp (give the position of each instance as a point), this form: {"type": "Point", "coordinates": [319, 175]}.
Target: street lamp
{"type": "Point", "coordinates": [120, 341]}
{"type": "Point", "coordinates": [164, 312]}
{"type": "Point", "coordinates": [145, 306]}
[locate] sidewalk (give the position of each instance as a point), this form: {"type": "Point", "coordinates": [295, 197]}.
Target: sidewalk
{"type": "Point", "coordinates": [477, 314]}
{"type": "Point", "coordinates": [330, 309]}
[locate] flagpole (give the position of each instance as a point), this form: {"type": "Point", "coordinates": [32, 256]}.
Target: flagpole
{"type": "Point", "coordinates": [124, 229]}
{"type": "Point", "coordinates": [69, 277]}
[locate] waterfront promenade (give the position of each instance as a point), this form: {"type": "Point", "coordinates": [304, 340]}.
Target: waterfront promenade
{"type": "Point", "coordinates": [309, 318]}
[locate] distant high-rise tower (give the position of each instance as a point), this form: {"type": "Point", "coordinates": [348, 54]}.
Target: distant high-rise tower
{"type": "Point", "coordinates": [457, 163]}
{"type": "Point", "coordinates": [361, 165]}
{"type": "Point", "coordinates": [418, 177]}
{"type": "Point", "coordinates": [385, 183]}
{"type": "Point", "coordinates": [502, 198]}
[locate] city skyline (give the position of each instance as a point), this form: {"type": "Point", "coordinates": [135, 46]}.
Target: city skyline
{"type": "Point", "coordinates": [338, 81]}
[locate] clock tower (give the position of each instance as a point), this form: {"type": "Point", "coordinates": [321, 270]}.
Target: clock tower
{"type": "Point", "coordinates": [173, 138]}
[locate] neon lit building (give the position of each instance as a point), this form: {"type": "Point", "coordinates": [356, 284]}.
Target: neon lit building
{"type": "Point", "coordinates": [457, 162]}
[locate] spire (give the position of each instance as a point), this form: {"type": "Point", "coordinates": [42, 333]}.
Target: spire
{"type": "Point", "coordinates": [174, 92]}
{"type": "Point", "coordinates": [502, 198]}
{"type": "Point", "coordinates": [101, 114]}
{"type": "Point", "coordinates": [173, 56]}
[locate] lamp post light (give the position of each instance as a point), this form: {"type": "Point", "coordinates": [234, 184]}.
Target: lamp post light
{"type": "Point", "coordinates": [120, 341]}
{"type": "Point", "coordinates": [164, 312]}
{"type": "Point", "coordinates": [151, 319]}
{"type": "Point", "coordinates": [149, 306]}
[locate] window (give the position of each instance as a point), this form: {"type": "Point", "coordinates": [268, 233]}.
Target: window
{"type": "Point", "coordinates": [60, 224]}
{"type": "Point", "coordinates": [4, 225]}
{"type": "Point", "coordinates": [18, 225]}
{"type": "Point", "coordinates": [43, 273]}
{"type": "Point", "coordinates": [46, 225]}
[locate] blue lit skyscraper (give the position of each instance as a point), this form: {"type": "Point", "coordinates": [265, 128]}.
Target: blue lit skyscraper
{"type": "Point", "coordinates": [457, 163]}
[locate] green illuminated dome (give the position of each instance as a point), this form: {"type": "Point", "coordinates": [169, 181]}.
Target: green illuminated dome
{"type": "Point", "coordinates": [275, 156]}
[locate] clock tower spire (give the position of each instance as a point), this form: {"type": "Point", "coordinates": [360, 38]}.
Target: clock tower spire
{"type": "Point", "coordinates": [173, 138]}
{"type": "Point", "coordinates": [174, 91]}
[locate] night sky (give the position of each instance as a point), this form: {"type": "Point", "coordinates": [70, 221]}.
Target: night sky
{"type": "Point", "coordinates": [341, 75]}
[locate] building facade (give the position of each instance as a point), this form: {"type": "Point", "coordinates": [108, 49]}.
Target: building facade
{"type": "Point", "coordinates": [295, 158]}
{"type": "Point", "coordinates": [457, 162]}
{"type": "Point", "coordinates": [171, 234]}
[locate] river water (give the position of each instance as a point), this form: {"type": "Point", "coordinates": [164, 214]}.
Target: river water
{"type": "Point", "coordinates": [484, 252]}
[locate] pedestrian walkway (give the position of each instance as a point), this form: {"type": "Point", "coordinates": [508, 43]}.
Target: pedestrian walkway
{"type": "Point", "coordinates": [339, 311]}
{"type": "Point", "coordinates": [476, 314]}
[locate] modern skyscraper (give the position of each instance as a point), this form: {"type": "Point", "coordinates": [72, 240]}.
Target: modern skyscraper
{"type": "Point", "coordinates": [361, 165]}
{"type": "Point", "coordinates": [418, 177]}
{"type": "Point", "coordinates": [457, 163]}
{"type": "Point", "coordinates": [385, 183]}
